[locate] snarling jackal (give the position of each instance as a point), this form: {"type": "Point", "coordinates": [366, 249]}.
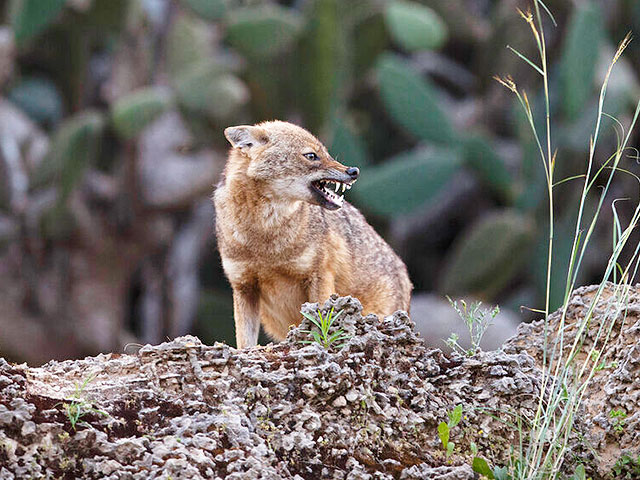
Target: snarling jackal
{"type": "Point", "coordinates": [286, 236]}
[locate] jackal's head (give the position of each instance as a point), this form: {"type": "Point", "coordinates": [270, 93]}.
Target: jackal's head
{"type": "Point", "coordinates": [288, 162]}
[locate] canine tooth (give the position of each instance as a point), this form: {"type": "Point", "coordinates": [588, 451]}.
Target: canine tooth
{"type": "Point", "coordinates": [337, 186]}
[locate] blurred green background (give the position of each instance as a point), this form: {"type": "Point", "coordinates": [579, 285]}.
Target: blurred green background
{"type": "Point", "coordinates": [111, 121]}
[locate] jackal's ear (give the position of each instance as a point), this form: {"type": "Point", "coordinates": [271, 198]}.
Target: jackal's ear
{"type": "Point", "coordinates": [245, 136]}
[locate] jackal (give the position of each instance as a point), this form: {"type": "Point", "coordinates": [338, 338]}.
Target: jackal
{"type": "Point", "coordinates": [286, 236]}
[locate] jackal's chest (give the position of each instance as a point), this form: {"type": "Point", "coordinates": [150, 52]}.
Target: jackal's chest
{"type": "Point", "coordinates": [265, 267]}
{"type": "Point", "coordinates": [282, 288]}
{"type": "Point", "coordinates": [280, 300]}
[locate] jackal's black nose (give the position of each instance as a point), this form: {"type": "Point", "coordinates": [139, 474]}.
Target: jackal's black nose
{"type": "Point", "coordinates": [353, 172]}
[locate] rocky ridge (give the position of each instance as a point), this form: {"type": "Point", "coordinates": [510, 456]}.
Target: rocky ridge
{"type": "Point", "coordinates": [294, 410]}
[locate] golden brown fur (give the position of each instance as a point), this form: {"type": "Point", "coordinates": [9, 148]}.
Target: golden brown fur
{"type": "Point", "coordinates": [281, 248]}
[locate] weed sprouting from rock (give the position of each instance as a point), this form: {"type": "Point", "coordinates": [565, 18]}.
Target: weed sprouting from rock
{"type": "Point", "coordinates": [322, 335]}
{"type": "Point", "coordinates": [477, 320]}
{"type": "Point", "coordinates": [79, 407]}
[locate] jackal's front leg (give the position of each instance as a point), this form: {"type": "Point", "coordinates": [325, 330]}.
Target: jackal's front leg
{"type": "Point", "coordinates": [246, 313]}
{"type": "Point", "coordinates": [322, 287]}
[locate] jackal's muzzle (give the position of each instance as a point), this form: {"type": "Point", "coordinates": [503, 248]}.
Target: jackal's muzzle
{"type": "Point", "coordinates": [330, 191]}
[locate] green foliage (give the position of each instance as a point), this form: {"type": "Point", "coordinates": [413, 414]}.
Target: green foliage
{"type": "Point", "coordinates": [412, 101]}
{"type": "Point", "coordinates": [488, 254]}
{"type": "Point", "coordinates": [74, 147]}
{"type": "Point", "coordinates": [346, 146]}
{"type": "Point", "coordinates": [444, 429]}
{"type": "Point", "coordinates": [627, 468]}
{"type": "Point", "coordinates": [480, 155]}
{"type": "Point", "coordinates": [501, 473]}
{"type": "Point", "coordinates": [208, 9]}
{"type": "Point", "coordinates": [263, 31]}
{"type": "Point", "coordinates": [39, 98]}
{"type": "Point", "coordinates": [455, 416]}
{"type": "Point", "coordinates": [601, 364]}
{"type": "Point", "coordinates": [205, 88]}
{"type": "Point", "coordinates": [579, 56]}
{"type": "Point", "coordinates": [579, 474]}
{"type": "Point", "coordinates": [443, 434]}
{"type": "Point", "coordinates": [415, 26]}
{"type": "Point", "coordinates": [322, 52]}
{"type": "Point", "coordinates": [406, 182]}
{"type": "Point", "coordinates": [322, 335]}
{"type": "Point", "coordinates": [30, 17]}
{"type": "Point", "coordinates": [134, 112]}
{"type": "Point", "coordinates": [108, 17]}
{"type": "Point", "coordinates": [477, 321]}
{"type": "Point", "coordinates": [188, 43]}
{"type": "Point", "coordinates": [618, 420]}
{"type": "Point", "coordinates": [369, 37]}
{"type": "Point", "coordinates": [481, 466]}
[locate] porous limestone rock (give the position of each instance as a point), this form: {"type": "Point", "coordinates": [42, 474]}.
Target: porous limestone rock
{"type": "Point", "coordinates": [295, 410]}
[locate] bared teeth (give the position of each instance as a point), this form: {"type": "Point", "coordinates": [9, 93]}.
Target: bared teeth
{"type": "Point", "coordinates": [334, 190]}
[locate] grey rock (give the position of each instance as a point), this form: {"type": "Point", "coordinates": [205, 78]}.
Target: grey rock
{"type": "Point", "coordinates": [368, 410]}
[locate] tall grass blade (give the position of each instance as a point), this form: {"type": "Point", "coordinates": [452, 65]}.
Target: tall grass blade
{"type": "Point", "coordinates": [523, 57]}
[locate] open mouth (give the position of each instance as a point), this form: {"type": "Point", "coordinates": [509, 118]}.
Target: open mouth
{"type": "Point", "coordinates": [330, 192]}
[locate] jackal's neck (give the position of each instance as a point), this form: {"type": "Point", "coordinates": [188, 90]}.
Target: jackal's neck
{"type": "Point", "coordinates": [236, 168]}
{"type": "Point", "coordinates": [254, 206]}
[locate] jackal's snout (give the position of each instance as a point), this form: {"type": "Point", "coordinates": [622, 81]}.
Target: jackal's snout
{"type": "Point", "coordinates": [343, 173]}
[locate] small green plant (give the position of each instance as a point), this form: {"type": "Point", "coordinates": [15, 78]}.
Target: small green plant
{"type": "Point", "coordinates": [444, 429]}
{"type": "Point", "coordinates": [618, 420]}
{"type": "Point", "coordinates": [627, 468]}
{"type": "Point", "coordinates": [602, 365]}
{"type": "Point", "coordinates": [579, 474]}
{"type": "Point", "coordinates": [481, 466]}
{"type": "Point", "coordinates": [322, 336]}
{"type": "Point", "coordinates": [477, 320]}
{"type": "Point", "coordinates": [79, 407]}
{"type": "Point", "coordinates": [606, 366]}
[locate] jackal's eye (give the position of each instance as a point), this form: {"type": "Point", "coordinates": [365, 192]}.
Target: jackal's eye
{"type": "Point", "coordinates": [311, 156]}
